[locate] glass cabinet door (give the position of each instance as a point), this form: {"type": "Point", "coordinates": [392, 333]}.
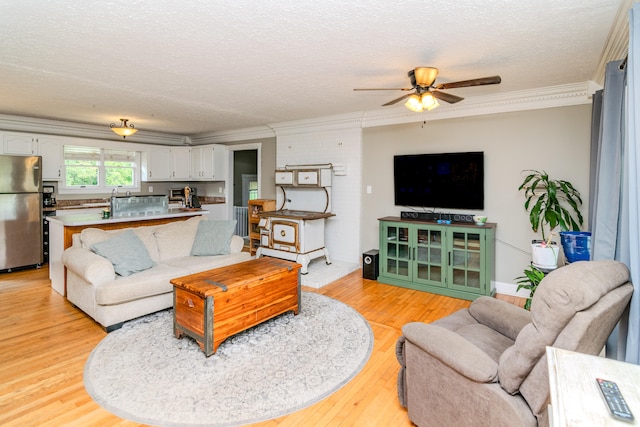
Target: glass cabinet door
{"type": "Point", "coordinates": [396, 246]}
{"type": "Point", "coordinates": [465, 261]}
{"type": "Point", "coordinates": [430, 261]}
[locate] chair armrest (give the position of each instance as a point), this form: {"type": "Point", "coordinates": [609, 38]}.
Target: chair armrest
{"type": "Point", "coordinates": [500, 316]}
{"type": "Point", "coordinates": [90, 266]}
{"type": "Point", "coordinates": [452, 350]}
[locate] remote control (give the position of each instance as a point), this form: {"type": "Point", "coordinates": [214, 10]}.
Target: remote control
{"type": "Point", "coordinates": [614, 400]}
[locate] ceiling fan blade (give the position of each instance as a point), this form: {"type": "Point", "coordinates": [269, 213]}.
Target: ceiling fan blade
{"type": "Point", "coordinates": [473, 82]}
{"type": "Point", "coordinates": [446, 97]}
{"type": "Point", "coordinates": [397, 100]}
{"type": "Point", "coordinates": [395, 88]}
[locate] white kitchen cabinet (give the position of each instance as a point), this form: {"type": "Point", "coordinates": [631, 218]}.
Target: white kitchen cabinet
{"type": "Point", "coordinates": [209, 163]}
{"type": "Point", "coordinates": [202, 163]}
{"type": "Point", "coordinates": [156, 164]}
{"type": "Point", "coordinates": [180, 163]}
{"type": "Point", "coordinates": [221, 163]}
{"type": "Point", "coordinates": [52, 152]}
{"type": "Point", "coordinates": [20, 144]}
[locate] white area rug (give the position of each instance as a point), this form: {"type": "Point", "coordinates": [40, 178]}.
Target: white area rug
{"type": "Point", "coordinates": [143, 373]}
{"type": "Point", "coordinates": [320, 274]}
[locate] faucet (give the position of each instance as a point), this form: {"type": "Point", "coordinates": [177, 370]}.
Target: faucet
{"type": "Point", "coordinates": [112, 201]}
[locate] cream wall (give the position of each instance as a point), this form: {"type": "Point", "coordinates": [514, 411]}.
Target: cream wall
{"type": "Point", "coordinates": [267, 163]}
{"type": "Point", "coordinates": [332, 146]}
{"type": "Point", "coordinates": [554, 139]}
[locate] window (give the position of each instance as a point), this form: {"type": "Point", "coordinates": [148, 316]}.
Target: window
{"type": "Point", "coordinates": [253, 190]}
{"type": "Point", "coordinates": [99, 170]}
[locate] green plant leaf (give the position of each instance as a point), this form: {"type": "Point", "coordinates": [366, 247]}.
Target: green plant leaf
{"type": "Point", "coordinates": [551, 203]}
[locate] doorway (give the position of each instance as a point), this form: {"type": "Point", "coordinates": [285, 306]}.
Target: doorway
{"type": "Point", "coordinates": [245, 178]}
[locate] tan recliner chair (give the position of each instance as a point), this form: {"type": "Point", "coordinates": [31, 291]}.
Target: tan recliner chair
{"type": "Point", "coordinates": [486, 365]}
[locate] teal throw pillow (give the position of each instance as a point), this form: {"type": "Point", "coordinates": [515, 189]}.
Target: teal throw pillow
{"type": "Point", "coordinates": [213, 238]}
{"type": "Point", "coordinates": [126, 252]}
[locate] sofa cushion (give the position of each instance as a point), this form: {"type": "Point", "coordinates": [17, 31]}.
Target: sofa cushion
{"type": "Point", "coordinates": [154, 281]}
{"type": "Point", "coordinates": [175, 239]}
{"type": "Point", "coordinates": [486, 339]}
{"type": "Point", "coordinates": [126, 252]}
{"type": "Point", "coordinates": [213, 238]}
{"type": "Point", "coordinates": [91, 236]}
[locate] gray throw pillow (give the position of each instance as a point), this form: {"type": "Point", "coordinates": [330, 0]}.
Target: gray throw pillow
{"type": "Point", "coordinates": [213, 238]}
{"type": "Point", "coordinates": [126, 252]}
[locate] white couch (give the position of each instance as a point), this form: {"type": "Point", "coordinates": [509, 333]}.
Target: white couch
{"type": "Point", "coordinates": [109, 298]}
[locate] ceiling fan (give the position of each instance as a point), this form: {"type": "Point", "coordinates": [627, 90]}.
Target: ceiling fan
{"type": "Point", "coordinates": [426, 92]}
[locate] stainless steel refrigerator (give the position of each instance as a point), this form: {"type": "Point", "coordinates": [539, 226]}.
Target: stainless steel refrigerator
{"type": "Point", "coordinates": [20, 211]}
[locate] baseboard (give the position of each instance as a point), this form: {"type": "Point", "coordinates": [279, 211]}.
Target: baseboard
{"type": "Point", "coordinates": [505, 288]}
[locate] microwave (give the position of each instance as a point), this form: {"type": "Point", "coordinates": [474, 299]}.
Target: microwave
{"type": "Point", "coordinates": [176, 194]}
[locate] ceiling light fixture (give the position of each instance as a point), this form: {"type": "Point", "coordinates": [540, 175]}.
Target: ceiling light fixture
{"type": "Point", "coordinates": [419, 103]}
{"type": "Point", "coordinates": [124, 130]}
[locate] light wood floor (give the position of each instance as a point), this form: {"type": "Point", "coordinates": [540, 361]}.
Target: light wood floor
{"type": "Point", "coordinates": [45, 342]}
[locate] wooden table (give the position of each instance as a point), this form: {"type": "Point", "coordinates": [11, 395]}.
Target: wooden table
{"type": "Point", "coordinates": [575, 397]}
{"type": "Point", "coordinates": [215, 304]}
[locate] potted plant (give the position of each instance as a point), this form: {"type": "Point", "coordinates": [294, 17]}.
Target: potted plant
{"type": "Point", "coordinates": [551, 203]}
{"type": "Point", "coordinates": [531, 279]}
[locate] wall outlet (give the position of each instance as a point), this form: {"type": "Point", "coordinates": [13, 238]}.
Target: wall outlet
{"type": "Point", "coordinates": [220, 190]}
{"type": "Point", "coordinates": [151, 189]}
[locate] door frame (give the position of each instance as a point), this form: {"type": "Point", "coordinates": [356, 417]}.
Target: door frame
{"type": "Point", "coordinates": [241, 147]}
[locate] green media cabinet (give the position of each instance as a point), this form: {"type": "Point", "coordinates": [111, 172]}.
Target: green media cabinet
{"type": "Point", "coordinates": [457, 260]}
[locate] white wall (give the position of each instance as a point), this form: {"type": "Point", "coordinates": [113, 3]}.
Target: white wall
{"type": "Point", "coordinates": [342, 236]}
{"type": "Point", "coordinates": [554, 139]}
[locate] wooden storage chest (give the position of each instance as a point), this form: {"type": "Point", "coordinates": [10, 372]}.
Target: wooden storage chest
{"type": "Point", "coordinates": [215, 304]}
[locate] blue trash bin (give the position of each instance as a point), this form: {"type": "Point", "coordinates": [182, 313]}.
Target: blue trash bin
{"type": "Point", "coordinates": [576, 245]}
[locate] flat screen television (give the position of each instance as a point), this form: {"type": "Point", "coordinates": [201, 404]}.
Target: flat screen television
{"type": "Point", "coordinates": [441, 180]}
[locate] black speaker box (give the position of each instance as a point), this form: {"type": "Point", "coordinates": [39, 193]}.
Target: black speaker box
{"type": "Point", "coordinates": [370, 261]}
{"type": "Point", "coordinates": [435, 216]}
{"type": "Point", "coordinates": [421, 216]}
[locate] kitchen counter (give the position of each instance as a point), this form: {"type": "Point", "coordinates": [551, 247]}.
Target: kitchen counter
{"type": "Point", "coordinates": [96, 218]}
{"type": "Point", "coordinates": [104, 203]}
{"type": "Point", "coordinates": [62, 228]}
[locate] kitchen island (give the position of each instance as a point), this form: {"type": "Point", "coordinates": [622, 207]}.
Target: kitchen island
{"type": "Point", "coordinates": [62, 228]}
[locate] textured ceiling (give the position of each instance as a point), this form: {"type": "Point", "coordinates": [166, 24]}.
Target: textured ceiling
{"type": "Point", "coordinates": [193, 67]}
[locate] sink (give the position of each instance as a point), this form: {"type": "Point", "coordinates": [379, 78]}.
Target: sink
{"type": "Point", "coordinates": [96, 205]}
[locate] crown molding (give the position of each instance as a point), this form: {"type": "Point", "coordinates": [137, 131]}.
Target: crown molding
{"type": "Point", "coordinates": [246, 134]}
{"type": "Point", "coordinates": [617, 45]}
{"type": "Point", "coordinates": [320, 124]}
{"type": "Point", "coordinates": [548, 97]}
{"type": "Point", "coordinates": [82, 130]}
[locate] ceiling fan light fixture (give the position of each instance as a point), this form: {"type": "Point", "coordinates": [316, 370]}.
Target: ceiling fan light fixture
{"type": "Point", "coordinates": [429, 102]}
{"type": "Point", "coordinates": [414, 103]}
{"type": "Point", "coordinates": [124, 130]}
